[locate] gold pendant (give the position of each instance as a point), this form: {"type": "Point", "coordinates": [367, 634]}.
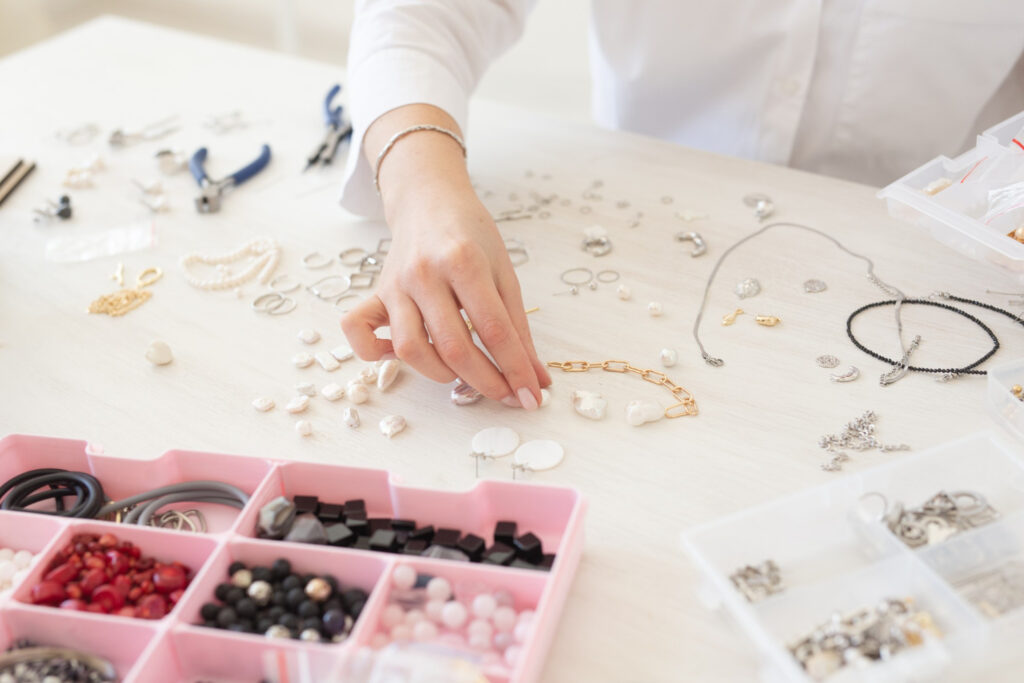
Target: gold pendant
{"type": "Point", "coordinates": [124, 300]}
{"type": "Point", "coordinates": [730, 318]}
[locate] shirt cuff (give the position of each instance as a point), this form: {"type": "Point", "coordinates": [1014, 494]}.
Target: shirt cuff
{"type": "Point", "coordinates": [389, 79]}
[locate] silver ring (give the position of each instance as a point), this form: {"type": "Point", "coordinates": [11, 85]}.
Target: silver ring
{"type": "Point", "coordinates": [353, 256]}
{"type": "Point", "coordinates": [287, 289]}
{"type": "Point", "coordinates": [258, 305]}
{"type": "Point", "coordinates": [384, 245]}
{"type": "Point", "coordinates": [277, 310]}
{"type": "Point", "coordinates": [317, 291]}
{"type": "Point", "coordinates": [613, 275]}
{"type": "Point", "coordinates": [565, 277]}
{"type": "Point", "coordinates": [371, 264]}
{"type": "Point", "coordinates": [361, 280]}
{"type": "Point", "coordinates": [310, 260]}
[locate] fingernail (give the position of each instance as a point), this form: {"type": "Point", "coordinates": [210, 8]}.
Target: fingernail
{"type": "Point", "coordinates": [527, 398]}
{"type": "Point", "coordinates": [512, 402]}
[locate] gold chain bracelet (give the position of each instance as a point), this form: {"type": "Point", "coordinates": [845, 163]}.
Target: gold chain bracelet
{"type": "Point", "coordinates": [686, 404]}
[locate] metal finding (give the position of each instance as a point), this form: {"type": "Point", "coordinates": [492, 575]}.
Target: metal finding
{"type": "Point", "coordinates": [352, 257]}
{"type": "Point", "coordinates": [315, 260]}
{"type": "Point", "coordinates": [597, 246]}
{"type": "Point", "coordinates": [362, 280]}
{"type": "Point", "coordinates": [374, 263]}
{"type": "Point", "coordinates": [995, 592]}
{"type": "Point", "coordinates": [318, 289]}
{"type": "Point", "coordinates": [568, 278]}
{"type": "Point", "coordinates": [178, 519]}
{"type": "Point", "coordinates": [757, 582]}
{"type": "Point", "coordinates": [608, 276]}
{"type": "Point", "coordinates": [761, 204]}
{"type": "Point", "coordinates": [269, 302]}
{"type": "Point", "coordinates": [945, 514]}
{"type": "Point", "coordinates": [699, 246]}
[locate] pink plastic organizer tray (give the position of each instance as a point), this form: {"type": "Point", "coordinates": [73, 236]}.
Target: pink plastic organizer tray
{"type": "Point", "coordinates": [176, 649]}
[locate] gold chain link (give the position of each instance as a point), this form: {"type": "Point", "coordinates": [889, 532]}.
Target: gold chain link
{"type": "Point", "coordinates": [686, 404]}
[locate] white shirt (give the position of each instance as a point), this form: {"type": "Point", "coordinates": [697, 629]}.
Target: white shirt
{"type": "Point", "coordinates": [861, 89]}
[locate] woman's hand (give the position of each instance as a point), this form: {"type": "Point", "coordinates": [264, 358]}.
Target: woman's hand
{"type": "Point", "coordinates": [446, 254]}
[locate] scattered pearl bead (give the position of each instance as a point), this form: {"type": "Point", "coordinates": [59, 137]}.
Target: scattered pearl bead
{"type": "Point", "coordinates": [522, 631]}
{"type": "Point", "coordinates": [351, 417]}
{"type": "Point", "coordinates": [424, 630]}
{"type": "Point", "coordinates": [404, 577]}
{"type": "Point", "coordinates": [309, 336]}
{"type": "Point", "coordinates": [453, 614]}
{"type": "Point", "coordinates": [342, 353]}
{"type": "Point", "coordinates": [624, 292]}
{"type": "Point", "coordinates": [655, 309]}
{"type": "Point", "coordinates": [332, 392]}
{"type": "Point", "coordinates": [297, 404]}
{"type": "Point", "coordinates": [306, 389]}
{"type": "Point", "coordinates": [159, 353]}
{"type": "Point", "coordinates": [392, 616]}
{"type": "Point", "coordinates": [302, 360]}
{"type": "Point", "coordinates": [438, 588]}
{"type": "Point", "coordinates": [504, 598]}
{"type": "Point", "coordinates": [263, 403]}
{"type": "Point", "coordinates": [357, 392]}
{"type": "Point", "coordinates": [669, 357]}
{"type": "Point", "coordinates": [484, 606]}
{"type": "Point", "coordinates": [303, 427]}
{"type": "Point", "coordinates": [433, 609]}
{"type": "Point", "coordinates": [327, 361]}
{"type": "Point", "coordinates": [525, 616]}
{"type": "Point", "coordinates": [504, 618]}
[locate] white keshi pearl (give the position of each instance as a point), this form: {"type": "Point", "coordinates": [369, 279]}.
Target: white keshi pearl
{"type": "Point", "coordinates": [414, 616]}
{"type": "Point", "coordinates": [303, 427]}
{"type": "Point", "coordinates": [351, 417]}
{"type": "Point", "coordinates": [438, 588]}
{"type": "Point", "coordinates": [504, 618]}
{"type": "Point", "coordinates": [263, 403]}
{"type": "Point", "coordinates": [367, 375]}
{"type": "Point", "coordinates": [302, 360]}
{"type": "Point", "coordinates": [326, 361]}
{"type": "Point", "coordinates": [512, 655]}
{"type": "Point", "coordinates": [484, 606]}
{"type": "Point", "coordinates": [404, 577]}
{"type": "Point", "coordinates": [392, 424]}
{"type": "Point", "coordinates": [424, 630]}
{"type": "Point", "coordinates": [480, 627]}
{"type": "Point", "coordinates": [433, 608]}
{"type": "Point", "coordinates": [401, 632]}
{"type": "Point", "coordinates": [306, 388]}
{"type": "Point", "coordinates": [624, 292]}
{"type": "Point", "coordinates": [357, 392]}
{"type": "Point", "coordinates": [589, 404]}
{"type": "Point", "coordinates": [22, 559]}
{"type": "Point", "coordinates": [309, 336]}
{"type": "Point", "coordinates": [298, 404]}
{"type": "Point", "coordinates": [655, 309]}
{"type": "Point", "coordinates": [642, 411]}
{"type": "Point", "coordinates": [669, 357]}
{"type": "Point", "coordinates": [479, 641]}
{"type": "Point", "coordinates": [453, 614]}
{"type": "Point", "coordinates": [342, 353]}
{"type": "Point", "coordinates": [332, 392]}
{"type": "Point", "coordinates": [391, 616]}
{"type": "Point", "coordinates": [159, 353]}
{"type": "Point", "coordinates": [387, 373]}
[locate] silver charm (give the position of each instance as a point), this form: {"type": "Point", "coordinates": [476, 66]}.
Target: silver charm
{"type": "Point", "coordinates": [761, 204]}
{"type": "Point", "coordinates": [858, 435]}
{"type": "Point", "coordinates": [463, 394]}
{"type": "Point", "coordinates": [814, 286]}
{"type": "Point", "coordinates": [900, 370]}
{"type": "Point", "coordinates": [748, 288]}
{"type": "Point", "coordinates": [757, 582]}
{"type": "Point", "coordinates": [849, 375]}
{"type": "Point", "coordinates": [699, 247]}
{"type": "Point", "coordinates": [827, 361]}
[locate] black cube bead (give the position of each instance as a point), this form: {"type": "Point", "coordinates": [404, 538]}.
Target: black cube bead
{"type": "Point", "coordinates": [383, 540]}
{"type": "Point", "coordinates": [330, 512]}
{"type": "Point", "coordinates": [522, 564]}
{"type": "Point", "coordinates": [473, 546]}
{"type": "Point", "coordinates": [415, 547]}
{"type": "Point", "coordinates": [500, 554]}
{"type": "Point", "coordinates": [339, 534]}
{"type": "Point", "coordinates": [378, 523]}
{"type": "Point", "coordinates": [306, 504]}
{"type": "Point", "coordinates": [424, 533]}
{"type": "Point", "coordinates": [359, 525]}
{"type": "Point", "coordinates": [449, 538]}
{"type": "Point", "coordinates": [355, 505]}
{"type": "Point", "coordinates": [403, 524]}
{"type": "Point", "coordinates": [401, 537]}
{"type": "Point", "coordinates": [505, 532]}
{"type": "Point", "coordinates": [362, 543]}
{"type": "Point", "coordinates": [547, 561]}
{"type": "Point", "coordinates": [528, 548]}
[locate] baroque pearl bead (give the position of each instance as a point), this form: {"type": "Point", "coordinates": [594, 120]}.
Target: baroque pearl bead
{"type": "Point", "coordinates": [454, 614]}
{"type": "Point", "coordinates": [438, 588]}
{"type": "Point", "coordinates": [404, 577]}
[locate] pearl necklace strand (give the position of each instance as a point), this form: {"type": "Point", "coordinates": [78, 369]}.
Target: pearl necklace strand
{"type": "Point", "coordinates": [265, 251]}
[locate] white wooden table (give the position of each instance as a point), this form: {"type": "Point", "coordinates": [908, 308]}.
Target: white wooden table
{"type": "Point", "coordinates": [632, 614]}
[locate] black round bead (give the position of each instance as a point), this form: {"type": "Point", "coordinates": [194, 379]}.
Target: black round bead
{"type": "Point", "coordinates": [307, 578]}
{"type": "Point", "coordinates": [333, 582]}
{"type": "Point", "coordinates": [263, 624]}
{"type": "Point", "coordinates": [262, 574]}
{"type": "Point", "coordinates": [352, 596]}
{"type": "Point", "coordinates": [308, 608]}
{"type": "Point", "coordinates": [289, 621]}
{"type": "Point", "coordinates": [334, 602]}
{"type": "Point", "coordinates": [296, 596]}
{"type": "Point", "coordinates": [314, 623]}
{"type": "Point", "coordinates": [221, 591]}
{"type": "Point", "coordinates": [242, 627]}
{"type": "Point", "coordinates": [281, 568]}
{"type": "Point", "coordinates": [226, 617]}
{"type": "Point", "coordinates": [246, 608]}
{"type": "Point", "coordinates": [334, 622]}
{"type": "Point", "coordinates": [292, 581]}
{"type": "Point", "coordinates": [234, 595]}
{"type": "Point", "coordinates": [234, 567]}
{"type": "Point", "coordinates": [209, 611]}
{"type": "Point", "coordinates": [356, 609]}
{"type": "Point", "coordinates": [279, 597]}
{"type": "Point", "coordinates": [275, 612]}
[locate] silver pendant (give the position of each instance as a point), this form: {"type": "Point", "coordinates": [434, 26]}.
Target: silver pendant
{"type": "Point", "coordinates": [748, 288]}
{"type": "Point", "coordinates": [814, 286]}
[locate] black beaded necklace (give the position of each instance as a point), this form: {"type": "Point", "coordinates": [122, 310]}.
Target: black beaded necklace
{"type": "Point", "coordinates": [970, 369]}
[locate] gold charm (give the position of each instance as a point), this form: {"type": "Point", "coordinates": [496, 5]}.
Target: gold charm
{"type": "Point", "coordinates": [767, 320]}
{"type": "Point", "coordinates": [124, 300]}
{"type": "Point", "coordinates": [730, 318]}
{"type": "Point", "coordinates": [1017, 234]}
{"type": "Point", "coordinates": [685, 404]}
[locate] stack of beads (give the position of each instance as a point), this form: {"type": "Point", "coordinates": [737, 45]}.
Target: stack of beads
{"type": "Point", "coordinates": [13, 567]}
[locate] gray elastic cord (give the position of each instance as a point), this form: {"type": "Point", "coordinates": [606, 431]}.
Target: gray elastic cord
{"type": "Point", "coordinates": [888, 289]}
{"type": "Point", "coordinates": [144, 513]}
{"type": "Point", "coordinates": [199, 491]}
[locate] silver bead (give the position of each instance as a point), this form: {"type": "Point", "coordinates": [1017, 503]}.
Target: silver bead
{"type": "Point", "coordinates": [318, 589]}
{"type": "Point", "coordinates": [260, 592]}
{"type": "Point", "coordinates": [278, 631]}
{"type": "Point", "coordinates": [242, 578]}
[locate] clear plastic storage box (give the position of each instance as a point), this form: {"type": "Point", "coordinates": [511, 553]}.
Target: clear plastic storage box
{"type": "Point", "coordinates": [971, 202]}
{"type": "Point", "coordinates": [834, 559]}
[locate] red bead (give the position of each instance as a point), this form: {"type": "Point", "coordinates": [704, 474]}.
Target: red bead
{"type": "Point", "coordinates": [95, 607]}
{"type": "Point", "coordinates": [123, 584]}
{"type": "Point", "coordinates": [151, 607]}
{"type": "Point", "coordinates": [79, 605]}
{"type": "Point", "coordinates": [169, 578]}
{"type": "Point", "coordinates": [109, 597]}
{"type": "Point", "coordinates": [74, 590]}
{"type": "Point", "coordinates": [107, 541]}
{"type": "Point", "coordinates": [127, 611]}
{"type": "Point", "coordinates": [48, 593]}
{"type": "Point", "coordinates": [62, 573]}
{"type": "Point", "coordinates": [175, 596]}
{"type": "Point", "coordinates": [117, 561]}
{"type": "Point", "coordinates": [134, 594]}
{"type": "Point", "coordinates": [95, 561]}
{"type": "Point", "coordinates": [91, 579]}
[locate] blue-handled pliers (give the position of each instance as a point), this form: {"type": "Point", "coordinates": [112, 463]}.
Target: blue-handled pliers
{"type": "Point", "coordinates": [210, 191]}
{"type": "Point", "coordinates": [337, 131]}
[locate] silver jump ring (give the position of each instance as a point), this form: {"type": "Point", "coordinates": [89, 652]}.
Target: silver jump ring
{"type": "Point", "coordinates": [372, 263]}
{"type": "Point", "coordinates": [288, 288]}
{"type": "Point", "coordinates": [316, 290]}
{"type": "Point", "coordinates": [353, 256]}
{"type": "Point", "coordinates": [568, 279]}
{"type": "Point", "coordinates": [283, 308]}
{"type": "Point", "coordinates": [311, 262]}
{"type": "Point", "coordinates": [607, 276]}
{"type": "Point", "coordinates": [260, 307]}
{"type": "Point", "coordinates": [361, 280]}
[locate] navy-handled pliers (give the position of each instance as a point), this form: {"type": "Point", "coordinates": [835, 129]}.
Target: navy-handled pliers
{"type": "Point", "coordinates": [337, 131]}
{"type": "Point", "coordinates": [210, 191]}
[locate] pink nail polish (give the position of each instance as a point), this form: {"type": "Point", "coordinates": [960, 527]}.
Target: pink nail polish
{"type": "Point", "coordinates": [512, 402]}
{"type": "Point", "coordinates": [526, 398]}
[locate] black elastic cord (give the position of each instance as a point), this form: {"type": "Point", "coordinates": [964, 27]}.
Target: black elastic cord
{"type": "Point", "coordinates": [23, 490]}
{"type": "Point", "coordinates": [965, 370]}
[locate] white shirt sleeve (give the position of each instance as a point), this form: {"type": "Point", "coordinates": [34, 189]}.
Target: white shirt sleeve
{"type": "Point", "coordinates": [418, 52]}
